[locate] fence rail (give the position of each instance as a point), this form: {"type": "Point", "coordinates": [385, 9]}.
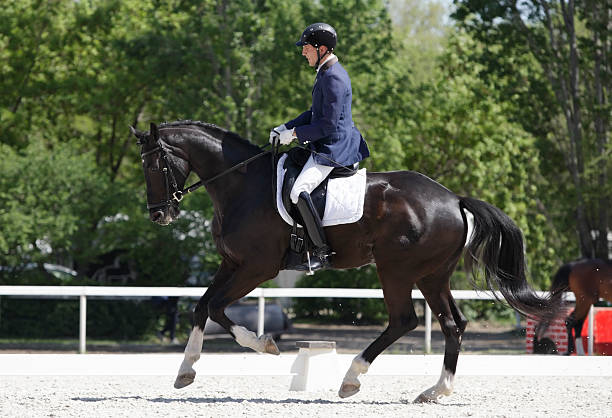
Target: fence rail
{"type": "Point", "coordinates": [82, 292]}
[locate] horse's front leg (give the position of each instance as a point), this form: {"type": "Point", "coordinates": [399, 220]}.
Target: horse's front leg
{"type": "Point", "coordinates": [243, 281]}
{"type": "Point", "coordinates": [186, 373]}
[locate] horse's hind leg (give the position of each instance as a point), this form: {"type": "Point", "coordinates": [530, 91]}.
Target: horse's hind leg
{"type": "Point", "coordinates": [576, 321]}
{"type": "Point", "coordinates": [453, 323]}
{"type": "Point", "coordinates": [570, 323]}
{"type": "Point", "coordinates": [402, 318]}
{"type": "Point", "coordinates": [186, 373]}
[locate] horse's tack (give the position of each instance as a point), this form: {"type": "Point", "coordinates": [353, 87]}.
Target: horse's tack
{"type": "Point", "coordinates": [168, 178]}
{"type": "Point", "coordinates": [293, 164]}
{"type": "Point", "coordinates": [229, 170]}
{"type": "Point", "coordinates": [177, 195]}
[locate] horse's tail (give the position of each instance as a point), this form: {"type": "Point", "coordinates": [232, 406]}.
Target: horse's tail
{"type": "Point", "coordinates": [496, 249]}
{"type": "Point", "coordinates": [560, 285]}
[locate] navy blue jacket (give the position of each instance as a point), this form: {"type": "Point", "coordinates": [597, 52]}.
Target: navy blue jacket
{"type": "Point", "coordinates": [328, 126]}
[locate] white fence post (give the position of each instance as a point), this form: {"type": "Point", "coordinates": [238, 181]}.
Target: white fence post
{"type": "Point", "coordinates": [261, 314]}
{"type": "Point", "coordinates": [427, 328]}
{"type": "Point", "coordinates": [82, 323]}
{"type": "Point", "coordinates": [590, 337]}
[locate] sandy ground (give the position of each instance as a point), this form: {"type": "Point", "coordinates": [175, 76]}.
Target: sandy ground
{"type": "Point", "coordinates": [259, 396]}
{"type": "Point", "coordinates": [269, 396]}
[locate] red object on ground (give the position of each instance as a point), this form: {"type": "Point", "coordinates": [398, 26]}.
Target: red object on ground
{"type": "Point", "coordinates": [557, 333]}
{"type": "Point", "coordinates": [602, 332]}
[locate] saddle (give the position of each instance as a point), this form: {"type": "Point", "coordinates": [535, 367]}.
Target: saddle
{"type": "Point", "coordinates": [295, 161]}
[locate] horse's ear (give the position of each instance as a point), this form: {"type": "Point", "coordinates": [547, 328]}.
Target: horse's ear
{"type": "Point", "coordinates": [154, 132]}
{"type": "Point", "coordinates": [142, 136]}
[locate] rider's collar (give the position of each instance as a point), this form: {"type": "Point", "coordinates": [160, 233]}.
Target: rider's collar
{"type": "Point", "coordinates": [330, 56]}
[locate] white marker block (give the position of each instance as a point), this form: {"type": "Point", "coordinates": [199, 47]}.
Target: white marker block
{"type": "Point", "coordinates": [315, 367]}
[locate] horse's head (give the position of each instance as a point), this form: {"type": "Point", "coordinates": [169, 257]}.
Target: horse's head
{"type": "Point", "coordinates": [164, 173]}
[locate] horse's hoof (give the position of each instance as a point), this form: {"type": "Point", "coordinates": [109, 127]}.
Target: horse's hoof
{"type": "Point", "coordinates": [183, 380]}
{"type": "Point", "coordinates": [348, 389]}
{"type": "Point", "coordinates": [423, 399]}
{"type": "Point", "coordinates": [270, 346]}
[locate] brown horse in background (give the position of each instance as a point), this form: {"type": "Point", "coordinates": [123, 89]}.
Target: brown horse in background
{"type": "Point", "coordinates": [590, 280]}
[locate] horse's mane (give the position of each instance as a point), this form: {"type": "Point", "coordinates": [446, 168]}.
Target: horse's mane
{"type": "Point", "coordinates": [212, 129]}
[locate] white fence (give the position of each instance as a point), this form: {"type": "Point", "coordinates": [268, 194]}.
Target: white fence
{"type": "Point", "coordinates": [82, 292]}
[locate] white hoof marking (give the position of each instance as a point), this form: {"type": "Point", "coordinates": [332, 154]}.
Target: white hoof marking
{"type": "Point", "coordinates": [186, 373]}
{"type": "Point", "coordinates": [444, 387]}
{"type": "Point", "coordinates": [350, 383]}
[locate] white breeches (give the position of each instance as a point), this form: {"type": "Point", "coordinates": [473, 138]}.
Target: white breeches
{"type": "Point", "coordinates": [311, 176]}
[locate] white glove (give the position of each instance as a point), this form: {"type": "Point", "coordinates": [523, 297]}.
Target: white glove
{"type": "Point", "coordinates": [276, 131]}
{"type": "Point", "coordinates": [286, 136]}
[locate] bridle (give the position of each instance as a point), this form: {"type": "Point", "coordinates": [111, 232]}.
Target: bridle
{"type": "Point", "coordinates": [170, 180]}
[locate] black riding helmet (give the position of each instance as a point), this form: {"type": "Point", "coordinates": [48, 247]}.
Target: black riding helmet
{"type": "Point", "coordinates": [319, 34]}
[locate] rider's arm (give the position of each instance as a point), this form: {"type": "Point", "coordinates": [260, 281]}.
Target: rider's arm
{"type": "Point", "coordinates": [303, 119]}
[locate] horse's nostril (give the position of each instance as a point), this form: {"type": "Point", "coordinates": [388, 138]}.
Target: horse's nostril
{"type": "Point", "coordinates": [157, 216]}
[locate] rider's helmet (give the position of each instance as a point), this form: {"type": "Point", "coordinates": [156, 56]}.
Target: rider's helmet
{"type": "Point", "coordinates": [319, 34]}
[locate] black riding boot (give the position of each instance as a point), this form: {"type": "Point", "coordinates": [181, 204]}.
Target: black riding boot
{"type": "Point", "coordinates": [312, 222]}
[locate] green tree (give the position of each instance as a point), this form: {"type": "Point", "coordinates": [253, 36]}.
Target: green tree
{"type": "Point", "coordinates": [31, 52]}
{"type": "Point", "coordinates": [569, 41]}
{"type": "Point", "coordinates": [51, 196]}
{"type": "Point", "coordinates": [422, 29]}
{"type": "Point", "coordinates": [97, 67]}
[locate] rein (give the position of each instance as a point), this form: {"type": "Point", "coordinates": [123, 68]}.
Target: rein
{"type": "Point", "coordinates": [178, 195]}
{"type": "Point", "coordinates": [327, 158]}
{"type": "Point", "coordinates": [201, 183]}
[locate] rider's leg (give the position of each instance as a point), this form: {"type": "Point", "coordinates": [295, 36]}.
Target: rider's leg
{"type": "Point", "coordinates": [315, 231]}
{"type": "Point", "coordinates": [311, 176]}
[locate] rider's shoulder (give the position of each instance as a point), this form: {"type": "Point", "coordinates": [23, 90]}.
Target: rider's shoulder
{"type": "Point", "coordinates": [336, 74]}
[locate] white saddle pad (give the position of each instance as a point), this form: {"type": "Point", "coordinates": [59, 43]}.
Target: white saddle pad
{"type": "Point", "coordinates": [344, 202]}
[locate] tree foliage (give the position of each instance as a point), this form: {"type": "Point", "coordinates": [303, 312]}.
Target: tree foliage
{"type": "Point", "coordinates": [52, 197]}
{"type": "Point", "coordinates": [567, 91]}
{"type": "Point", "coordinates": [467, 108]}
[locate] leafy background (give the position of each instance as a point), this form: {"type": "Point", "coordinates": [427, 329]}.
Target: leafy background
{"type": "Point", "coordinates": [460, 97]}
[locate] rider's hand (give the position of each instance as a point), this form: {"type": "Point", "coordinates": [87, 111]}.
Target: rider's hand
{"type": "Point", "coordinates": [287, 136]}
{"type": "Point", "coordinates": [274, 133]}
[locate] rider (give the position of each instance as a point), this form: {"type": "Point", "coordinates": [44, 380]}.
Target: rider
{"type": "Point", "coordinates": [328, 130]}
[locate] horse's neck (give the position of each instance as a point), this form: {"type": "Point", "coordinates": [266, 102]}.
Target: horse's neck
{"type": "Point", "coordinates": [210, 156]}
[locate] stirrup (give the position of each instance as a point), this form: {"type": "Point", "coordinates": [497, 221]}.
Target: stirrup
{"type": "Point", "coordinates": [318, 261]}
{"type": "Point", "coordinates": [310, 272]}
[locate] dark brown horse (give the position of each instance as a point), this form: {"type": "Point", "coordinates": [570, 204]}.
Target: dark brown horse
{"type": "Point", "coordinates": [413, 228]}
{"type": "Point", "coordinates": [590, 279]}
